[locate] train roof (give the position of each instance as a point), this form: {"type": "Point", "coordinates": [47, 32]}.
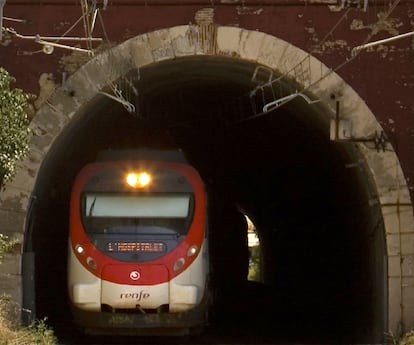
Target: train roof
{"type": "Point", "coordinates": [142, 154]}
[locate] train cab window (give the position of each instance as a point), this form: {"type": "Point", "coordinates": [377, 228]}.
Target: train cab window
{"type": "Point", "coordinates": [132, 213]}
{"type": "Point", "coordinates": [145, 206]}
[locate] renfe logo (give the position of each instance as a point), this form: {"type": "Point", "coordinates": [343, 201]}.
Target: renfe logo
{"type": "Point", "coordinates": [138, 296]}
{"type": "Point", "coordinates": [135, 275]}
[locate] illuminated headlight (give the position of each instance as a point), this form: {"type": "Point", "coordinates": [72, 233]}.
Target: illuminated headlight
{"type": "Point", "coordinates": [178, 264]}
{"type": "Point", "coordinates": [192, 250]}
{"type": "Point", "coordinates": [137, 180]}
{"type": "Point", "coordinates": [79, 249]}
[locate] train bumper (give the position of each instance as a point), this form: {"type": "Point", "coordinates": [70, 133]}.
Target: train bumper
{"type": "Point", "coordinates": [160, 324]}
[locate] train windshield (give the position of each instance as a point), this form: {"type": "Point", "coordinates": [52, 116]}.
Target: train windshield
{"type": "Point", "coordinates": [136, 213]}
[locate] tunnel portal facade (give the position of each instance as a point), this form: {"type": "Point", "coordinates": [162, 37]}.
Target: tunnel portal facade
{"type": "Point", "coordinates": [274, 58]}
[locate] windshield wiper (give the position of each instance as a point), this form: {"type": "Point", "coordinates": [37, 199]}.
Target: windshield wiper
{"type": "Point", "coordinates": [92, 207]}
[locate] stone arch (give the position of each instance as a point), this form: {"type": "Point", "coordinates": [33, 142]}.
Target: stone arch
{"type": "Point", "coordinates": [276, 54]}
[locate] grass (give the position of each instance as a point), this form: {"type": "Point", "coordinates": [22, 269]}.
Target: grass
{"type": "Point", "coordinates": [407, 339]}
{"type": "Point", "coordinates": [11, 333]}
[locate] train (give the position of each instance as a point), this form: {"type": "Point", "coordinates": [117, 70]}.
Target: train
{"type": "Point", "coordinates": [138, 259]}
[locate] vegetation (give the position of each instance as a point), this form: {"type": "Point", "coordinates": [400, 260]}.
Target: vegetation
{"type": "Point", "coordinates": [14, 126]}
{"type": "Point", "coordinates": [6, 245]}
{"type": "Point", "coordinates": [254, 263]}
{"type": "Point", "coordinates": [254, 252]}
{"type": "Point", "coordinates": [408, 339]}
{"type": "Point", "coordinates": [11, 333]}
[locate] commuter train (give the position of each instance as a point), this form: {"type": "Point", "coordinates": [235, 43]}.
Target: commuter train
{"type": "Point", "coordinates": [138, 258]}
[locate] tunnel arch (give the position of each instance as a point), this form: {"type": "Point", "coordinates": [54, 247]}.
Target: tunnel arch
{"type": "Point", "coordinates": [81, 91]}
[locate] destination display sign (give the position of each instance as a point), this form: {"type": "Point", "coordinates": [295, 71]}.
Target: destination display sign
{"type": "Point", "coordinates": [132, 247]}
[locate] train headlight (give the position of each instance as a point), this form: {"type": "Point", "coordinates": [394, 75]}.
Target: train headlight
{"type": "Point", "coordinates": [192, 250]}
{"type": "Point", "coordinates": [138, 180]}
{"type": "Point", "coordinates": [178, 264]}
{"type": "Point", "coordinates": [91, 262]}
{"type": "Point", "coordinates": [79, 249]}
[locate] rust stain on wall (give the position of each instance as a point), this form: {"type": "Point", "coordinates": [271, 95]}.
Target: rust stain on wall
{"type": "Point", "coordinates": [204, 33]}
{"type": "Point", "coordinates": [243, 10]}
{"type": "Point", "coordinates": [390, 25]}
{"type": "Point", "coordinates": [328, 46]}
{"type": "Point", "coordinates": [47, 87]}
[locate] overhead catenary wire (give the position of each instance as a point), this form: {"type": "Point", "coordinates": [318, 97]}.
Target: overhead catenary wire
{"type": "Point", "coordinates": [16, 20]}
{"type": "Point", "coordinates": [89, 14]}
{"type": "Point", "coordinates": [276, 103]}
{"type": "Point", "coordinates": [49, 42]}
{"type": "Point", "coordinates": [385, 40]}
{"type": "Point", "coordinates": [373, 32]}
{"type": "Point", "coordinates": [124, 93]}
{"type": "Point", "coordinates": [285, 99]}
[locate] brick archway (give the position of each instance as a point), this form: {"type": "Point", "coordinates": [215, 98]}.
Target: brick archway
{"type": "Point", "coordinates": [253, 46]}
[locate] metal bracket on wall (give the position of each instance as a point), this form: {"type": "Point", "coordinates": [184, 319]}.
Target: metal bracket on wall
{"type": "Point", "coordinates": [271, 93]}
{"type": "Point", "coordinates": [341, 130]}
{"type": "Point", "coordinates": [279, 102]}
{"type": "Point", "coordinates": [2, 3]}
{"type": "Point", "coordinates": [49, 43]}
{"type": "Point", "coordinates": [90, 10]}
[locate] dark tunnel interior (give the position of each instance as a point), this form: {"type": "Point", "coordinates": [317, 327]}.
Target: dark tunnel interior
{"type": "Point", "coordinates": [310, 199]}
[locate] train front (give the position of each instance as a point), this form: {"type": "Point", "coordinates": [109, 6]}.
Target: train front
{"type": "Point", "coordinates": [138, 259]}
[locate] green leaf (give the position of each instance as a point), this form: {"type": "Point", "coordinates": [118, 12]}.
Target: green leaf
{"type": "Point", "coordinates": [14, 126]}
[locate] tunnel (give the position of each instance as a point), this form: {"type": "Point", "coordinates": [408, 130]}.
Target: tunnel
{"type": "Point", "coordinates": [312, 200]}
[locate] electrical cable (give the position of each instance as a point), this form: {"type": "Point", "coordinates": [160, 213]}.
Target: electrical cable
{"type": "Point", "coordinates": [286, 99]}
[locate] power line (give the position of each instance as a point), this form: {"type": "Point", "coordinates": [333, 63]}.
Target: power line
{"type": "Point", "coordinates": [305, 75]}
{"type": "Point", "coordinates": [357, 49]}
